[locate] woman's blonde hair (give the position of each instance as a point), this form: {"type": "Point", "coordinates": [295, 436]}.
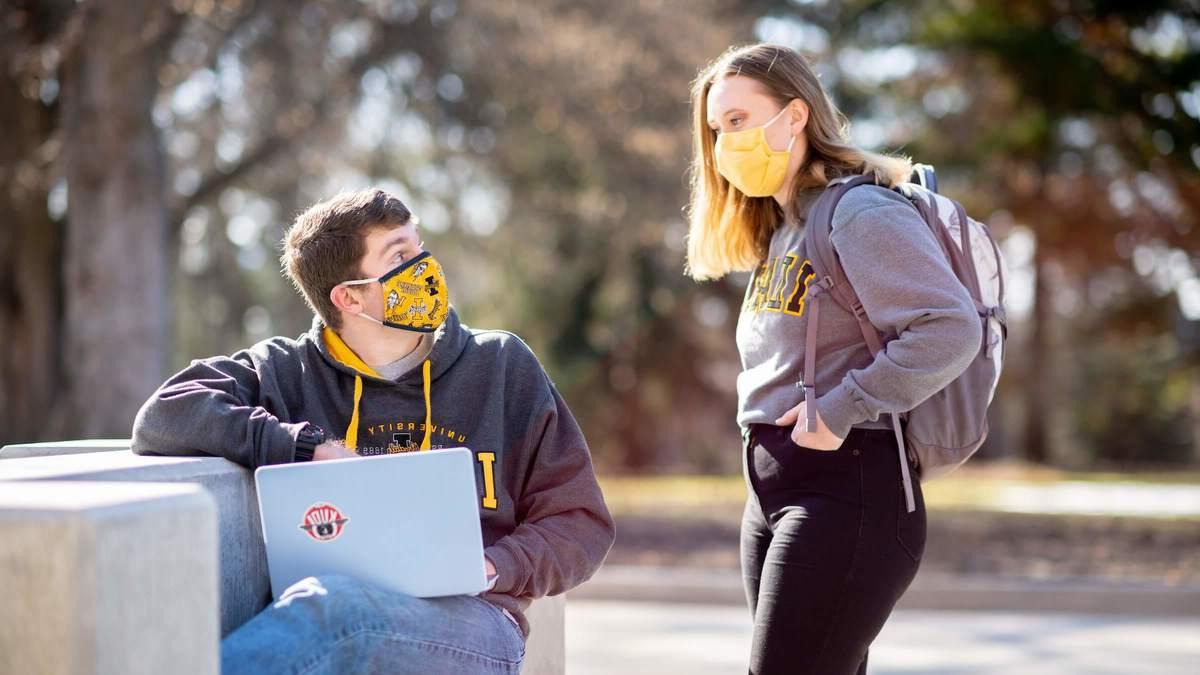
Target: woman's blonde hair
{"type": "Point", "coordinates": [729, 231]}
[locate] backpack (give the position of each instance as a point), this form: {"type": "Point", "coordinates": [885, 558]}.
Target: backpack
{"type": "Point", "coordinates": [943, 431]}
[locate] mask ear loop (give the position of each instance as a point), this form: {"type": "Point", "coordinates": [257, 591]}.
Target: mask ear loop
{"type": "Point", "coordinates": [357, 282]}
{"type": "Point", "coordinates": [774, 119]}
{"type": "Point", "coordinates": [777, 115]}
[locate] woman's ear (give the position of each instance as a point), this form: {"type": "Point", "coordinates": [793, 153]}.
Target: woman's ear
{"type": "Point", "coordinates": [799, 116]}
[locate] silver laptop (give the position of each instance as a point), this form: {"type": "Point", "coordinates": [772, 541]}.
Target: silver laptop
{"type": "Point", "coordinates": [407, 522]}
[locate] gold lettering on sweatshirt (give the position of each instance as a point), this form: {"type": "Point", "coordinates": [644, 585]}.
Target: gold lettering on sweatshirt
{"type": "Point", "coordinates": [402, 427]}
{"type": "Point", "coordinates": [780, 285]}
{"type": "Point", "coordinates": [487, 460]}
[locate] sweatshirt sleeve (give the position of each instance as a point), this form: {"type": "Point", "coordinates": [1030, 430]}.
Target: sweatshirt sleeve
{"type": "Point", "coordinates": [908, 290]}
{"type": "Point", "coordinates": [211, 407]}
{"type": "Point", "coordinates": [565, 530]}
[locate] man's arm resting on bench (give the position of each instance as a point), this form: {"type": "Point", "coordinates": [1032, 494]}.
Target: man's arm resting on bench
{"type": "Point", "coordinates": [211, 407]}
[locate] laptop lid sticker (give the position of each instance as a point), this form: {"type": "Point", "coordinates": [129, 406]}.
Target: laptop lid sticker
{"type": "Point", "coordinates": [323, 521]}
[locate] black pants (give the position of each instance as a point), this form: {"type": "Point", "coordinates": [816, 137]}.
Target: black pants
{"type": "Point", "coordinates": [827, 548]}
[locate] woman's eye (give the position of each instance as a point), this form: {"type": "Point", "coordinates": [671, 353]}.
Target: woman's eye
{"type": "Point", "coordinates": [733, 122]}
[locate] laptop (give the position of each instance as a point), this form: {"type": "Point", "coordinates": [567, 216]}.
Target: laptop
{"type": "Point", "coordinates": [407, 522]}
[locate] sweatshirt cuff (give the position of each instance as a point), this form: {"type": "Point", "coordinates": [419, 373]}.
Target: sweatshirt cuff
{"type": "Point", "coordinates": [507, 568]}
{"type": "Point", "coordinates": [839, 410]}
{"type": "Point", "coordinates": [283, 448]}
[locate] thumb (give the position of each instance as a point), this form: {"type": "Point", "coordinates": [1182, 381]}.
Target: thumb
{"type": "Point", "coordinates": [790, 416]}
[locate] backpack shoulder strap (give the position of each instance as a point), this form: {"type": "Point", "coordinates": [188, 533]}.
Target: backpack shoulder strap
{"type": "Point", "coordinates": [818, 231]}
{"type": "Point", "coordinates": [832, 280]}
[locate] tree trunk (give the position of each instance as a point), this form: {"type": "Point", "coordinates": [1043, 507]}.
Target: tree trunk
{"type": "Point", "coordinates": [1040, 378]}
{"type": "Point", "coordinates": [30, 296]}
{"type": "Point", "coordinates": [115, 336]}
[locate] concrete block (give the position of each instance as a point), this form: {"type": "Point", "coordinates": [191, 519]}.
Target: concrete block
{"type": "Point", "coordinates": [108, 579]}
{"type": "Point", "coordinates": [244, 582]}
{"type": "Point", "coordinates": [245, 585]}
{"type": "Point", "coordinates": [18, 450]}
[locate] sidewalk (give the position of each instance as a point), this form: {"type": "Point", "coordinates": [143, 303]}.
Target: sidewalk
{"type": "Point", "coordinates": [606, 637]}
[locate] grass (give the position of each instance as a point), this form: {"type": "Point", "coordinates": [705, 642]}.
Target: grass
{"type": "Point", "coordinates": [969, 488]}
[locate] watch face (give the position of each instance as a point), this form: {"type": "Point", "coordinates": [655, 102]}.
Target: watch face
{"type": "Point", "coordinates": [313, 434]}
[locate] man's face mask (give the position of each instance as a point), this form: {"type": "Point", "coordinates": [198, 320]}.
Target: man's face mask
{"type": "Point", "coordinates": [414, 295]}
{"type": "Point", "coordinates": [747, 161]}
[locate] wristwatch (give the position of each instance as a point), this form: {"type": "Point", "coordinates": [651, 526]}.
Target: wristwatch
{"type": "Point", "coordinates": [307, 440]}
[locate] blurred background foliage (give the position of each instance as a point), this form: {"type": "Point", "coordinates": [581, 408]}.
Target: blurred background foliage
{"type": "Point", "coordinates": [155, 152]}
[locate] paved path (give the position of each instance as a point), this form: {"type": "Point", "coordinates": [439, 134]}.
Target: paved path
{"type": "Point", "coordinates": [605, 637]}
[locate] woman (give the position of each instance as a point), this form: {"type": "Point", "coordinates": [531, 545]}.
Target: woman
{"type": "Point", "coordinates": [828, 546]}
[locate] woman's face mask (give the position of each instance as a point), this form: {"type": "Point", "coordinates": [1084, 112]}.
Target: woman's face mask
{"type": "Point", "coordinates": [415, 296]}
{"type": "Point", "coordinates": [746, 160]}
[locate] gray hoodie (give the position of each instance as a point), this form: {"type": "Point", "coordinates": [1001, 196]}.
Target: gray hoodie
{"type": "Point", "coordinates": [907, 289]}
{"type": "Point", "coordinates": [545, 524]}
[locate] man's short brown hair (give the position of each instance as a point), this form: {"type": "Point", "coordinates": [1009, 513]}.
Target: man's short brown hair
{"type": "Point", "coordinates": [326, 244]}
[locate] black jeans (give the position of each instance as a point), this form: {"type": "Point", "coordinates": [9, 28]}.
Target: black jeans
{"type": "Point", "coordinates": [827, 548]}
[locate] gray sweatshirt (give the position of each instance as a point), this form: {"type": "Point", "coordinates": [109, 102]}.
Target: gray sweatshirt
{"type": "Point", "coordinates": [545, 524]}
{"type": "Point", "coordinates": [907, 289]}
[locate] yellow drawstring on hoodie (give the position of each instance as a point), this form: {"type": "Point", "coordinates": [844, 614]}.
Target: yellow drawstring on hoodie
{"type": "Point", "coordinates": [341, 352]}
{"type": "Point", "coordinates": [428, 407]}
{"type": "Point", "coordinates": [352, 430]}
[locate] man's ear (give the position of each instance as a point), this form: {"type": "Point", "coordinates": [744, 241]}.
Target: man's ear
{"type": "Point", "coordinates": [344, 298]}
{"type": "Point", "coordinates": [798, 115]}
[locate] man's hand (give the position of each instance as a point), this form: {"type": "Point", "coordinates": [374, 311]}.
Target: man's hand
{"type": "Point", "coordinates": [332, 450]}
{"type": "Point", "coordinates": [492, 575]}
{"type": "Point", "coordinates": [821, 439]}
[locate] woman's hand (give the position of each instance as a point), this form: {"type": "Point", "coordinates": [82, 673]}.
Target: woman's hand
{"type": "Point", "coordinates": [821, 439]}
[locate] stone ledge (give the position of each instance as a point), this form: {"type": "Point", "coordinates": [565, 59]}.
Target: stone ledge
{"type": "Point", "coordinates": [245, 586]}
{"type": "Point", "coordinates": [63, 447]}
{"type": "Point", "coordinates": [104, 577]}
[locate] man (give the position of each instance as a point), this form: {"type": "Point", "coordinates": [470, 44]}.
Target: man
{"type": "Point", "coordinates": [387, 367]}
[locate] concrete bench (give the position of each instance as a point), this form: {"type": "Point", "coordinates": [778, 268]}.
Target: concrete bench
{"type": "Point", "coordinates": [244, 586]}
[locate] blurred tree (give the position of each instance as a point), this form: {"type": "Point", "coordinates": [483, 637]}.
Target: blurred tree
{"type": "Point", "coordinates": [594, 148]}
{"type": "Point", "coordinates": [545, 147]}
{"type": "Point", "coordinates": [1078, 119]}
{"type": "Point", "coordinates": [30, 240]}
{"type": "Point", "coordinates": [93, 94]}
{"type": "Point", "coordinates": [100, 138]}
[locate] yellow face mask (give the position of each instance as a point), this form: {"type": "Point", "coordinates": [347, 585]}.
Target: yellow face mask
{"type": "Point", "coordinates": [746, 160]}
{"type": "Point", "coordinates": [415, 296]}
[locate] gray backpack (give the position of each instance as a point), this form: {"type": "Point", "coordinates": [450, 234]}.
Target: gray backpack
{"type": "Point", "coordinates": [943, 431]}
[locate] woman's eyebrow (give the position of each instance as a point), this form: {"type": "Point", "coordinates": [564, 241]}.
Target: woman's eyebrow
{"type": "Point", "coordinates": [713, 123]}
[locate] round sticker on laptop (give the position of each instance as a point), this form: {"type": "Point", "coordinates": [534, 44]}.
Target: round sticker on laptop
{"type": "Point", "coordinates": [323, 521]}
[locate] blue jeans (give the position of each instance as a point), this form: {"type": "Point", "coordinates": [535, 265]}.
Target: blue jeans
{"type": "Point", "coordinates": [335, 624]}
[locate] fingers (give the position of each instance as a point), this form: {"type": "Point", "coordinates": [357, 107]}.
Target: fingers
{"type": "Point", "coordinates": [815, 441]}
